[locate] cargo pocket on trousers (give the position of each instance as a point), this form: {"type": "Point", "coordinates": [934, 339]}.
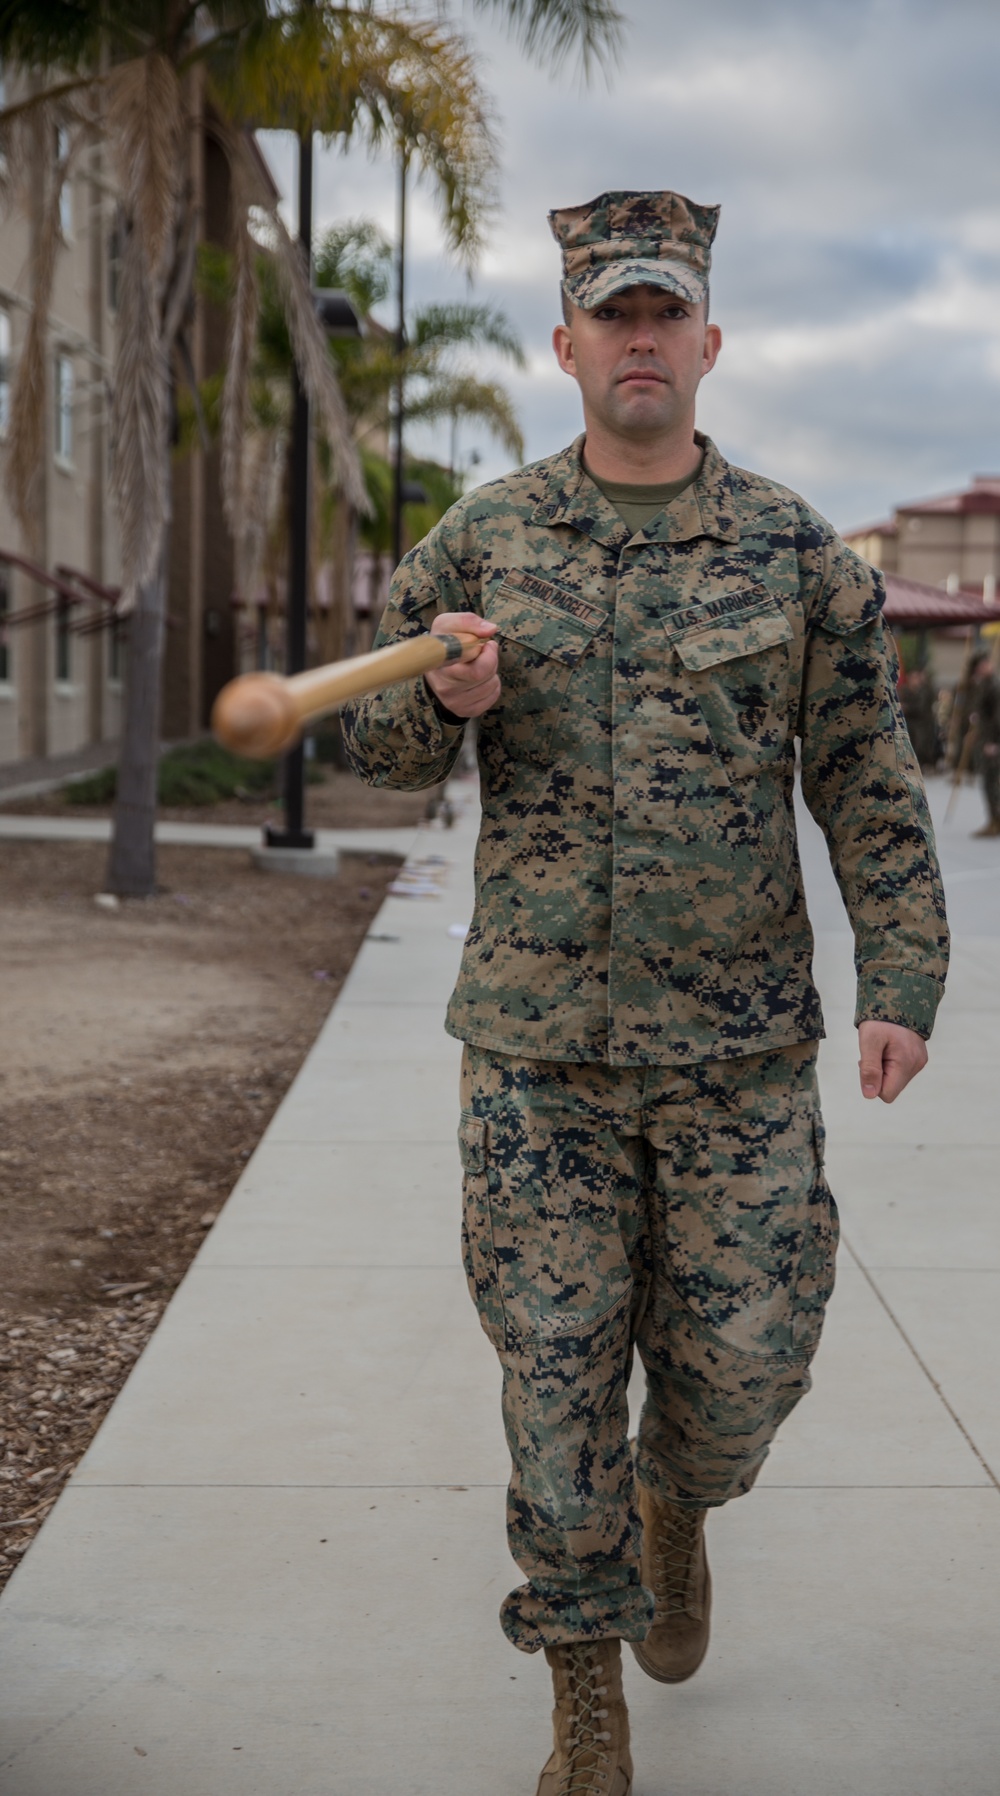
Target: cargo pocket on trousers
{"type": "Point", "coordinates": [817, 1266]}
{"type": "Point", "coordinates": [478, 1256]}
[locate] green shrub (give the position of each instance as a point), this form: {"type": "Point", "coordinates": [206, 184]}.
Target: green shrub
{"type": "Point", "coordinates": [97, 788]}
{"type": "Point", "coordinates": [199, 773]}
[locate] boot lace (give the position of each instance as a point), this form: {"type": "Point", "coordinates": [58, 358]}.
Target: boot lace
{"type": "Point", "coordinates": [674, 1551]}
{"type": "Point", "coordinates": [586, 1770]}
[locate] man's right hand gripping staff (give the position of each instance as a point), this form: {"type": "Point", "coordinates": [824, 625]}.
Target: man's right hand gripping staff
{"type": "Point", "coordinates": [465, 688]}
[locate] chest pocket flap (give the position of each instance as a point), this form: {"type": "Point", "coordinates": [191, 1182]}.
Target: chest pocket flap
{"type": "Point", "coordinates": [557, 625]}
{"type": "Point", "coordinates": [724, 639]}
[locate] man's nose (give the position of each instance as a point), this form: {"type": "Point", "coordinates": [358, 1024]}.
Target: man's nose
{"type": "Point", "coordinates": [642, 340]}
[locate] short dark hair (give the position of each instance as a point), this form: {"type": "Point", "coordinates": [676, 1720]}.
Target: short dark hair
{"type": "Point", "coordinates": [567, 305]}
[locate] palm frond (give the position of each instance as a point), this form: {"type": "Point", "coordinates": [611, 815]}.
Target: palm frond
{"type": "Point", "coordinates": [144, 124]}
{"type": "Point", "coordinates": [551, 30]}
{"type": "Point", "coordinates": [240, 348]}
{"type": "Point", "coordinates": [441, 490]}
{"type": "Point", "coordinates": [461, 396]}
{"type": "Point", "coordinates": [263, 466]}
{"type": "Point", "coordinates": [472, 326]}
{"type": "Point", "coordinates": [357, 257]}
{"type": "Point", "coordinates": [376, 529]}
{"type": "Point", "coordinates": [71, 95]}
{"type": "Point", "coordinates": [48, 33]}
{"type": "Point", "coordinates": [381, 79]}
{"type": "Point", "coordinates": [315, 367]}
{"type": "Point", "coordinates": [197, 411]}
{"type": "Point", "coordinates": [16, 144]}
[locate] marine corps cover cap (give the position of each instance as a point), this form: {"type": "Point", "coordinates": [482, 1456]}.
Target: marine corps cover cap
{"type": "Point", "coordinates": [634, 239]}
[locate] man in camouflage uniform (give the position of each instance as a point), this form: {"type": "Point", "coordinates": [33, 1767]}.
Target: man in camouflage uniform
{"type": "Point", "coordinates": [640, 1129]}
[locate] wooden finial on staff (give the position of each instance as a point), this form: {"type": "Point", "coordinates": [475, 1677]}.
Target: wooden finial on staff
{"type": "Point", "coordinates": [263, 714]}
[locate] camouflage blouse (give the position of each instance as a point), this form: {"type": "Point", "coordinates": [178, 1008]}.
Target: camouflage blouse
{"type": "Point", "coordinates": [639, 897]}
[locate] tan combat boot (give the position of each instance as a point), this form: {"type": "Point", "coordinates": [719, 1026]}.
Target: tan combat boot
{"type": "Point", "coordinates": [675, 1569]}
{"type": "Point", "coordinates": [589, 1721]}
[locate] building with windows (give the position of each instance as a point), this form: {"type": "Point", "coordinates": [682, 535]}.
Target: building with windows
{"type": "Point", "coordinates": [62, 651]}
{"type": "Point", "coordinates": [941, 560]}
{"type": "Point", "coordinates": [952, 541]}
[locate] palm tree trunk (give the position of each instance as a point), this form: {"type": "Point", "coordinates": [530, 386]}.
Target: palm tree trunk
{"type": "Point", "coordinates": [132, 860]}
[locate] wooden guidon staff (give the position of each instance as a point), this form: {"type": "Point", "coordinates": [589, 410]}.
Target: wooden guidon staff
{"type": "Point", "coordinates": [263, 714]}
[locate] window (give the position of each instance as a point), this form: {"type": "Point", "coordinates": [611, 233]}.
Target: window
{"type": "Point", "coordinates": [4, 633]}
{"type": "Point", "coordinates": [66, 194]}
{"type": "Point", "coordinates": [4, 373]}
{"type": "Point", "coordinates": [64, 642]}
{"type": "Point", "coordinates": [64, 409]}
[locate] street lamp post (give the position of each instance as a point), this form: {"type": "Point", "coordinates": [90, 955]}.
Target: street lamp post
{"type": "Point", "coordinates": [294, 834]}
{"type": "Point", "coordinates": [398, 499]}
{"type": "Point", "coordinates": [339, 318]}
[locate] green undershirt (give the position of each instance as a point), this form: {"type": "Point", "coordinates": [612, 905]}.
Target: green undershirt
{"type": "Point", "coordinates": [639, 505]}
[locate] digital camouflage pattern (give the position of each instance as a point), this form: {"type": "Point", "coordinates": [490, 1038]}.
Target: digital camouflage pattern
{"type": "Point", "coordinates": [639, 897]}
{"type": "Point", "coordinates": [631, 239]}
{"type": "Point", "coordinates": [682, 1212]}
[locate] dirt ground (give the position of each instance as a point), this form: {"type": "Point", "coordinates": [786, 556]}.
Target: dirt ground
{"type": "Point", "coordinates": [142, 1053]}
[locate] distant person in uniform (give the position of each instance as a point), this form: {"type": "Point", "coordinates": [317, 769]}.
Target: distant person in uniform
{"type": "Point", "coordinates": [640, 1127]}
{"type": "Point", "coordinates": [985, 720]}
{"type": "Point", "coordinates": [916, 698]}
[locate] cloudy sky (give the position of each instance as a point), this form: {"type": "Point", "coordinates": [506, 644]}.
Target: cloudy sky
{"type": "Point", "coordinates": [853, 145]}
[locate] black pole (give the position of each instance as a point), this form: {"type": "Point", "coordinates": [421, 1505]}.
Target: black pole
{"type": "Point", "coordinates": [397, 472]}
{"type": "Point", "coordinates": [294, 835]}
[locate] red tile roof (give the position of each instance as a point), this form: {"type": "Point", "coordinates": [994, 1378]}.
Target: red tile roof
{"type": "Point", "coordinates": [909, 605]}
{"type": "Point", "coordinates": [888, 527]}
{"type": "Point", "coordinates": [982, 496]}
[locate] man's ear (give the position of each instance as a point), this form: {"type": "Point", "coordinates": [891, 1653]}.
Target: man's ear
{"type": "Point", "coordinates": [713, 343]}
{"type": "Point", "coordinates": [562, 343]}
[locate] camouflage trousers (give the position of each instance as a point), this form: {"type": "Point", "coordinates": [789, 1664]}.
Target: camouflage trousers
{"type": "Point", "coordinates": [678, 1211]}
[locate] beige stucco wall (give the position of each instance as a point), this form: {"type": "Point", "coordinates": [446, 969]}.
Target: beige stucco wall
{"type": "Point", "coordinates": [73, 523]}
{"type": "Point", "coordinates": [937, 545]}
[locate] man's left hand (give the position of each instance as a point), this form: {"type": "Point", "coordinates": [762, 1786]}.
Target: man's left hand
{"type": "Point", "coordinates": [890, 1057]}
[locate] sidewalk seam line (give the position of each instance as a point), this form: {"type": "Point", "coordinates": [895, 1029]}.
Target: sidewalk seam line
{"type": "Point", "coordinates": [87, 1484]}
{"type": "Point", "coordinates": [924, 1367]}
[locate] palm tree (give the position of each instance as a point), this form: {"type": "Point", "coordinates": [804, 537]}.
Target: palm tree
{"type": "Point", "coordinates": [357, 257]}
{"type": "Point", "coordinates": [127, 69]}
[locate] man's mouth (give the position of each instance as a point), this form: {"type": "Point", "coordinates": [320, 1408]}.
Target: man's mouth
{"type": "Point", "coordinates": [645, 374]}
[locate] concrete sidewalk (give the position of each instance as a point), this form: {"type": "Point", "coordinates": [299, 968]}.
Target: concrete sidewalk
{"type": "Point", "coordinates": [30, 778]}
{"type": "Point", "coordinates": [278, 1569]}
{"type": "Point", "coordinates": [205, 835]}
